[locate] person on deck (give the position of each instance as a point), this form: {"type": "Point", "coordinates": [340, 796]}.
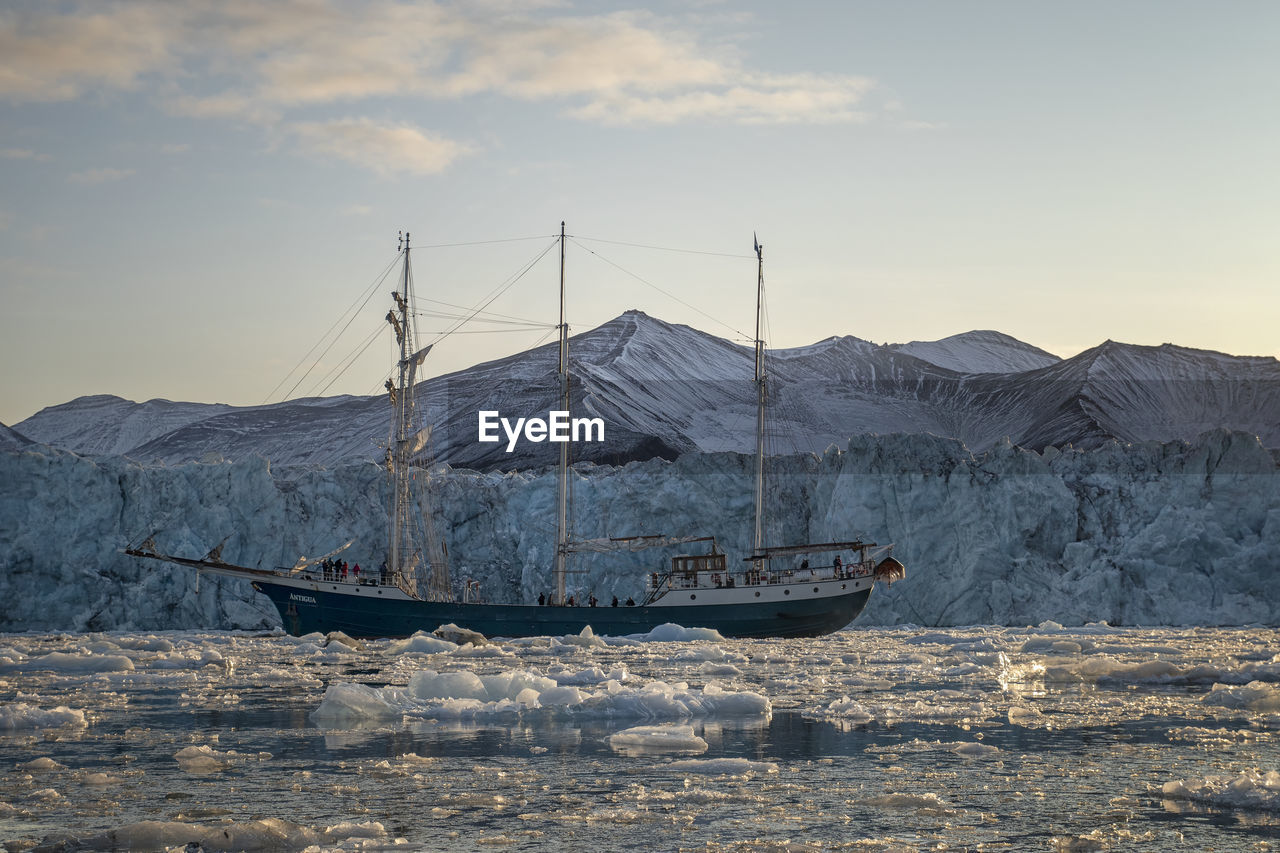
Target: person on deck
{"type": "Point", "coordinates": [591, 602]}
{"type": "Point", "coordinates": [542, 599]}
{"type": "Point", "coordinates": [615, 602]}
{"type": "Point", "coordinates": [631, 602]}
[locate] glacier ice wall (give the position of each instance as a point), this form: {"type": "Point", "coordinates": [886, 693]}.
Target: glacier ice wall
{"type": "Point", "coordinates": [1151, 533]}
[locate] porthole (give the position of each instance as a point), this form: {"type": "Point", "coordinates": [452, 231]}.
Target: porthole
{"type": "Point", "coordinates": [692, 597]}
{"type": "Point", "coordinates": [843, 585]}
{"type": "Point", "coordinates": [786, 592]}
{"type": "Point", "coordinates": [815, 589]}
{"type": "Point", "coordinates": [757, 593]}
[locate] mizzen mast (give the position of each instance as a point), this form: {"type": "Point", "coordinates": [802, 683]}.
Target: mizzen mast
{"type": "Point", "coordinates": [758, 541]}
{"type": "Point", "coordinates": [562, 472]}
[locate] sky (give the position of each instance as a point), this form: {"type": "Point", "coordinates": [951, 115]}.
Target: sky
{"type": "Point", "coordinates": [194, 192]}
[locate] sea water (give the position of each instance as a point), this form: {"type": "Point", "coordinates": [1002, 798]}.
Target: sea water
{"type": "Point", "coordinates": [983, 738]}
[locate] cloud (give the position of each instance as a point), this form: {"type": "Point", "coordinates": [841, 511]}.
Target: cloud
{"type": "Point", "coordinates": [22, 154]}
{"type": "Point", "coordinates": [259, 58]}
{"type": "Point", "coordinates": [99, 176]}
{"type": "Point", "coordinates": [262, 63]}
{"type": "Point", "coordinates": [226, 105]}
{"type": "Point", "coordinates": [45, 56]}
{"type": "Point", "coordinates": [759, 100]}
{"type": "Point", "coordinates": [384, 148]}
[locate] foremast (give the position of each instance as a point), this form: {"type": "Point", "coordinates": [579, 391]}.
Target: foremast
{"type": "Point", "coordinates": [406, 443]}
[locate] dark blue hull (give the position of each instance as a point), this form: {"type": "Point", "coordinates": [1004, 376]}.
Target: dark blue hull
{"type": "Point", "coordinates": [306, 611]}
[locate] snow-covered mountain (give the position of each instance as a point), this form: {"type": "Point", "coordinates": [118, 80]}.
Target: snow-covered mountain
{"type": "Point", "coordinates": [12, 439]}
{"type": "Point", "coordinates": [664, 390]}
{"type": "Point", "coordinates": [1146, 533]}
{"type": "Point", "coordinates": [980, 352]}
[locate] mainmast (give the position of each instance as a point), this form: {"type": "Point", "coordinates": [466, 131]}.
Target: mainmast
{"type": "Point", "coordinates": [758, 542]}
{"type": "Point", "coordinates": [562, 474]}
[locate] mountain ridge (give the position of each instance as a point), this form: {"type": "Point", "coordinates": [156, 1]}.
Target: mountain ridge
{"type": "Point", "coordinates": [665, 389]}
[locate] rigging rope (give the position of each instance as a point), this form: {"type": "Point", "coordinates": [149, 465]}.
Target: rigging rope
{"type": "Point", "coordinates": [655, 287]}
{"type": "Point", "coordinates": [501, 289]}
{"type": "Point", "coordinates": [348, 361]}
{"type": "Point", "coordinates": [372, 289]}
{"type": "Point", "coordinates": [486, 242]}
{"type": "Point", "coordinates": [660, 248]}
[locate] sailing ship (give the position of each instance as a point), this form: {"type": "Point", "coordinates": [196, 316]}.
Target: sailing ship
{"type": "Point", "coordinates": [768, 595]}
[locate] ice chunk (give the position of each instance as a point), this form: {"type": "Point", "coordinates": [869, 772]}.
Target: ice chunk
{"type": "Point", "coordinates": [258, 835]}
{"type": "Point", "coordinates": [927, 804]}
{"type": "Point", "coordinates": [467, 694]}
{"type": "Point", "coordinates": [643, 739]}
{"type": "Point", "coordinates": [587, 639]}
{"type": "Point", "coordinates": [669, 632]}
{"type": "Point", "coordinates": [461, 636]}
{"type": "Point", "coordinates": [1252, 789]}
{"type": "Point", "coordinates": [341, 638]}
{"type": "Point", "coordinates": [73, 663]}
{"type": "Point", "coordinates": [465, 684]}
{"type": "Point", "coordinates": [847, 709]}
{"type": "Point", "coordinates": [206, 759]}
{"type": "Point", "coordinates": [420, 643]}
{"type": "Point", "coordinates": [20, 715]}
{"type": "Point", "coordinates": [44, 764]}
{"type": "Point", "coordinates": [101, 779]}
{"type": "Point", "coordinates": [345, 703]}
{"type": "Point", "coordinates": [1254, 696]}
{"type": "Point", "coordinates": [721, 767]}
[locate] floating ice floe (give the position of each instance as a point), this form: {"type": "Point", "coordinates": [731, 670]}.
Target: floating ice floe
{"type": "Point", "coordinates": [967, 749]}
{"type": "Point", "coordinates": [101, 779]}
{"type": "Point", "coordinates": [721, 767]}
{"type": "Point", "coordinates": [1217, 738]}
{"type": "Point", "coordinates": [71, 663]}
{"type": "Point", "coordinates": [264, 835]}
{"type": "Point", "coordinates": [1254, 696]}
{"type": "Point", "coordinates": [845, 709]}
{"type": "Point", "coordinates": [421, 643]}
{"type": "Point", "coordinates": [461, 636]}
{"type": "Point", "coordinates": [669, 632]}
{"type": "Point", "coordinates": [588, 676]}
{"type": "Point", "coordinates": [926, 804]}
{"type": "Point", "coordinates": [1252, 789]}
{"type": "Point", "coordinates": [464, 694]}
{"type": "Point", "coordinates": [1102, 668]}
{"type": "Point", "coordinates": [191, 659]}
{"type": "Point", "coordinates": [206, 759]}
{"type": "Point", "coordinates": [43, 764]}
{"type": "Point", "coordinates": [20, 715]}
{"type": "Point", "coordinates": [649, 739]}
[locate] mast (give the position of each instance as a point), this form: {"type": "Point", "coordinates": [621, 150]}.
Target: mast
{"type": "Point", "coordinates": [758, 542]}
{"type": "Point", "coordinates": [398, 562]}
{"type": "Point", "coordinates": [562, 472]}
